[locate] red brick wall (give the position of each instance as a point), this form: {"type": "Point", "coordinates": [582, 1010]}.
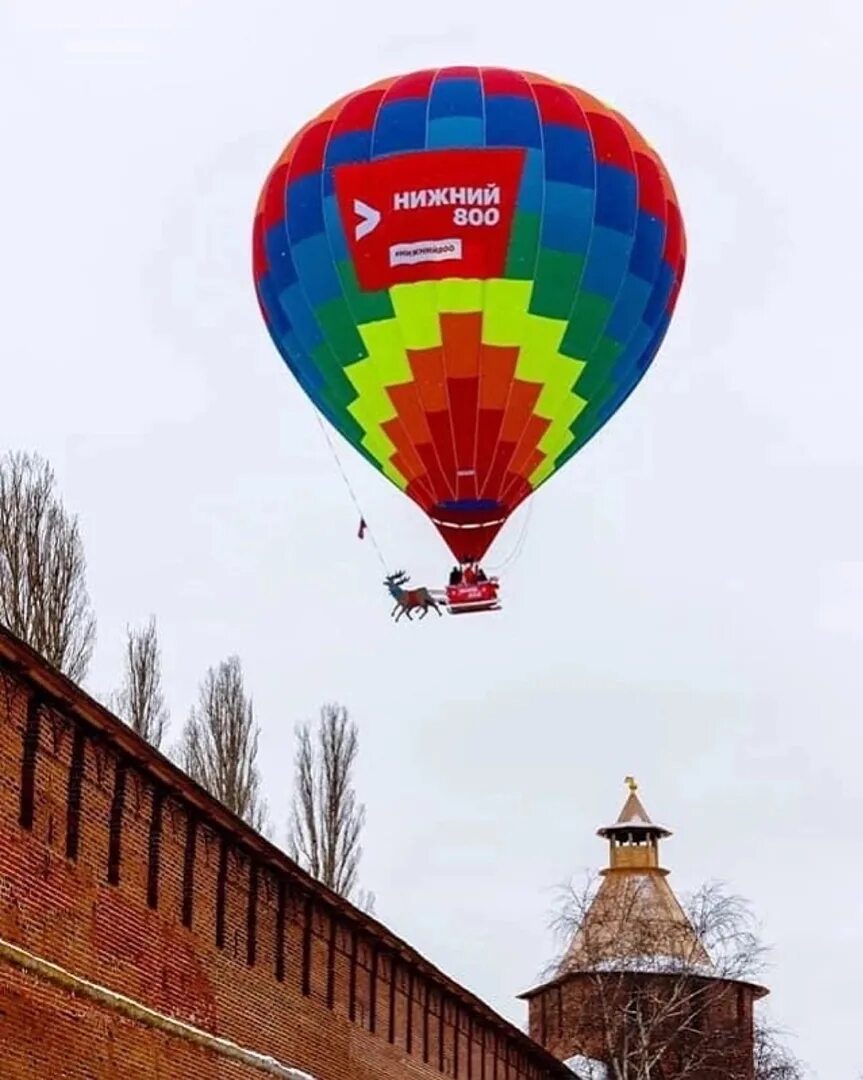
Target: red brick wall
{"type": "Point", "coordinates": [50, 1034]}
{"type": "Point", "coordinates": [267, 960]}
{"type": "Point", "coordinates": [570, 1017]}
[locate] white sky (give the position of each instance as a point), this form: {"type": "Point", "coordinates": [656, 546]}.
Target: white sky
{"type": "Point", "coordinates": [689, 602]}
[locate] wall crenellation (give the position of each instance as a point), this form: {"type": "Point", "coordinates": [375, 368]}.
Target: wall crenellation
{"type": "Point", "coordinates": [128, 877]}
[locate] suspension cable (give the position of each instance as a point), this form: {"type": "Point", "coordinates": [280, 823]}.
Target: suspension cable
{"type": "Point", "coordinates": [518, 546]}
{"type": "Point", "coordinates": [351, 491]}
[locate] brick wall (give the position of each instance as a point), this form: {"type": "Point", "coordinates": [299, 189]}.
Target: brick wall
{"type": "Point", "coordinates": [52, 1034]}
{"type": "Point", "coordinates": [117, 868]}
{"type": "Point", "coordinates": [709, 1022]}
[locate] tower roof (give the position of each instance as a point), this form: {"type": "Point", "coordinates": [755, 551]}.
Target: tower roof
{"type": "Point", "coordinates": [635, 920]}
{"type": "Point", "coordinates": [633, 816]}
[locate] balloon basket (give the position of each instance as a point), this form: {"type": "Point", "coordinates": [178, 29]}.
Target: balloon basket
{"type": "Point", "coordinates": [469, 599]}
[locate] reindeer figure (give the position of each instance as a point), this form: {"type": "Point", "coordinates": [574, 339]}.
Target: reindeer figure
{"type": "Point", "coordinates": [408, 599]}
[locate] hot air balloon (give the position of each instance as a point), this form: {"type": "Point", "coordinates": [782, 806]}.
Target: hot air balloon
{"type": "Point", "coordinates": [468, 270]}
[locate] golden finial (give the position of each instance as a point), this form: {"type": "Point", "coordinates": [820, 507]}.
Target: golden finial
{"type": "Point", "coordinates": [631, 784]}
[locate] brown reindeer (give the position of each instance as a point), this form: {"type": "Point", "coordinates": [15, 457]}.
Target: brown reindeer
{"type": "Point", "coordinates": [408, 599]}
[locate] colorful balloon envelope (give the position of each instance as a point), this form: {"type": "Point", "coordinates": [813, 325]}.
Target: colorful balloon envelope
{"type": "Point", "coordinates": [468, 270]}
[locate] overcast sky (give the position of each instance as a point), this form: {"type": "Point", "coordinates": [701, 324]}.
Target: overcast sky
{"type": "Point", "coordinates": [688, 603]}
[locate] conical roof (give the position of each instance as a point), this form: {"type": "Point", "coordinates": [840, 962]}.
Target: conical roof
{"type": "Point", "coordinates": [633, 816]}
{"type": "Point", "coordinates": [635, 920]}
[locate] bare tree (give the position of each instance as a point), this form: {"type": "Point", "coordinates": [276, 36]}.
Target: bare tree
{"type": "Point", "coordinates": [219, 745]}
{"type": "Point", "coordinates": [43, 595]}
{"type": "Point", "coordinates": [326, 820]}
{"type": "Point", "coordinates": [140, 701]}
{"type": "Point", "coordinates": [650, 982]}
{"type": "Point", "coordinates": [773, 1058]}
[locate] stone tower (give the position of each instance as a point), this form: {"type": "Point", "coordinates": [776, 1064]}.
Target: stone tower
{"type": "Point", "coordinates": [636, 985]}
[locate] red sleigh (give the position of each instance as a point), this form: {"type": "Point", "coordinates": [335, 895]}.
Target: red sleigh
{"type": "Point", "coordinates": [481, 596]}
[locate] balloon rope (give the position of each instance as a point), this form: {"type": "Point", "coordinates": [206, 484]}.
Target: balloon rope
{"type": "Point", "coordinates": [351, 491]}
{"type": "Point", "coordinates": [518, 546]}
